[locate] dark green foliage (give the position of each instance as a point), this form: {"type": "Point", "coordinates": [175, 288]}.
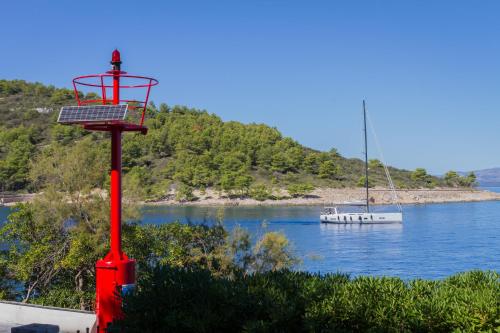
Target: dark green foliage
{"type": "Point", "coordinates": [469, 180]}
{"type": "Point", "coordinates": [261, 192]}
{"type": "Point", "coordinates": [374, 164]}
{"type": "Point", "coordinates": [362, 182]}
{"type": "Point", "coordinates": [311, 164]}
{"type": "Point", "coordinates": [17, 146]}
{"type": "Point", "coordinates": [328, 170]}
{"type": "Point", "coordinates": [185, 193]}
{"type": "Point", "coordinates": [452, 178]}
{"type": "Point", "coordinates": [421, 177]}
{"type": "Point", "coordinates": [183, 146]}
{"type": "Point", "coordinates": [63, 295]}
{"type": "Point", "coordinates": [299, 190]}
{"type": "Point", "coordinates": [7, 290]}
{"type": "Point", "coordinates": [234, 169]}
{"type": "Point", "coordinates": [185, 300]}
{"type": "Point", "coordinates": [178, 245]}
{"type": "Point", "coordinates": [192, 300]}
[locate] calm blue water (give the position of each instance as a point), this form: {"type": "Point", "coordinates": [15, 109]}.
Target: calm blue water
{"type": "Point", "coordinates": [435, 240]}
{"type": "Point", "coordinates": [492, 189]}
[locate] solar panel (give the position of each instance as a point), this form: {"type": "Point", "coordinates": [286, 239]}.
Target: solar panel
{"type": "Point", "coordinates": [92, 113]}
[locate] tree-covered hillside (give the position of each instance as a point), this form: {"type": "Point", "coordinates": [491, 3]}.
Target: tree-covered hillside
{"type": "Point", "coordinates": [185, 149]}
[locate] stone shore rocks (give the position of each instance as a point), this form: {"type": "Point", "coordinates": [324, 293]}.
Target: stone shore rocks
{"type": "Point", "coordinates": [328, 196]}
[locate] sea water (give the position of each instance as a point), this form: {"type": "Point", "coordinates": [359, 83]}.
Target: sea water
{"type": "Point", "coordinates": [434, 241]}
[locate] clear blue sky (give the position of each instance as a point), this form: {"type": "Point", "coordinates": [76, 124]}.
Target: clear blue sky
{"type": "Point", "coordinates": [429, 70]}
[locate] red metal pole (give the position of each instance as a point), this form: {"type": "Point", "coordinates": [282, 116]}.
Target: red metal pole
{"type": "Point", "coordinates": [116, 89]}
{"type": "Point", "coordinates": [116, 192]}
{"type": "Point", "coordinates": [116, 167]}
{"type": "Point", "coordinates": [115, 273]}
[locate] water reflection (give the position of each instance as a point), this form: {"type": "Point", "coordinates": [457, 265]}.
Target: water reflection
{"type": "Point", "coordinates": [361, 228]}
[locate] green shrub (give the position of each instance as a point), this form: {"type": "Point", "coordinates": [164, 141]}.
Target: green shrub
{"type": "Point", "coordinates": [329, 170]}
{"type": "Point", "coordinates": [185, 193]}
{"type": "Point", "coordinates": [187, 300]}
{"type": "Point", "coordinates": [260, 192]}
{"type": "Point", "coordinates": [299, 190]}
{"type": "Point", "coordinates": [362, 182]}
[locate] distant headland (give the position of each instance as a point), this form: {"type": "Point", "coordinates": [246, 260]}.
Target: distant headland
{"type": "Point", "coordinates": [193, 157]}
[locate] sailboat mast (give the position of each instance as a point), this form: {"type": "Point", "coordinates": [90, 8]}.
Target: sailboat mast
{"type": "Point", "coordinates": [366, 159]}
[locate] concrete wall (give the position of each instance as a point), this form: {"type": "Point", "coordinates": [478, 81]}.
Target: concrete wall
{"type": "Point", "coordinates": [13, 313]}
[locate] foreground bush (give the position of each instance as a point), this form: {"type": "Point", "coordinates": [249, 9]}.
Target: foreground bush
{"type": "Point", "coordinates": [48, 262]}
{"type": "Point", "coordinates": [182, 300]}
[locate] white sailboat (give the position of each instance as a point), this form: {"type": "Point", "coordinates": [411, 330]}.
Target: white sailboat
{"type": "Point", "coordinates": [359, 212]}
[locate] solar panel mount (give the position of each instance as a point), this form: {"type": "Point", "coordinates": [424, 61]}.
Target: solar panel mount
{"type": "Point", "coordinates": [92, 114]}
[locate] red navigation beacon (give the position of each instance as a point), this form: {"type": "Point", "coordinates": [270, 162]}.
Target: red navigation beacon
{"type": "Point", "coordinates": [107, 110]}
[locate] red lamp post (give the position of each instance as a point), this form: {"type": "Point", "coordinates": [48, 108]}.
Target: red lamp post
{"type": "Point", "coordinates": [115, 273]}
{"type": "Point", "coordinates": [116, 269]}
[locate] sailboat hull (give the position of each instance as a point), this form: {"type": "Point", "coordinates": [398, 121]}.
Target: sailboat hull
{"type": "Point", "coordinates": [362, 218]}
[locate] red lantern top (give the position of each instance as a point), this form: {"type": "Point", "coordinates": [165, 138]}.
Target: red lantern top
{"type": "Point", "coordinates": [115, 87]}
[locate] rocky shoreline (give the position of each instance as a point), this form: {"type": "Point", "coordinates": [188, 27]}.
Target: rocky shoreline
{"type": "Point", "coordinates": [320, 196]}
{"type": "Point", "coordinates": [327, 196]}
